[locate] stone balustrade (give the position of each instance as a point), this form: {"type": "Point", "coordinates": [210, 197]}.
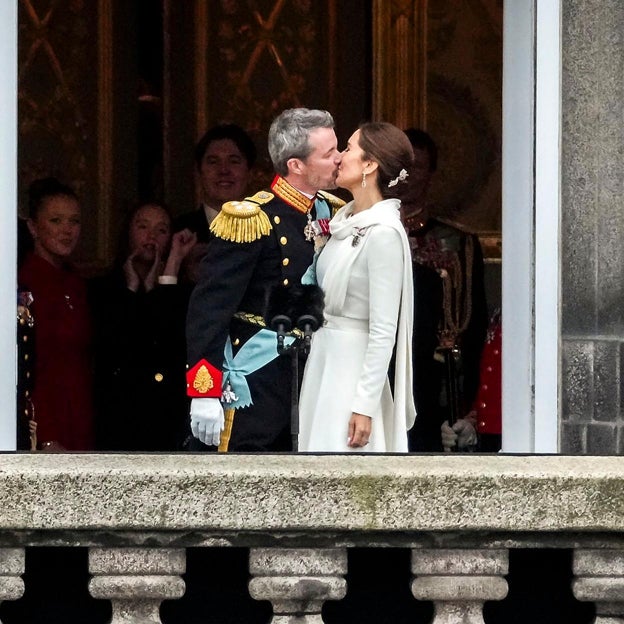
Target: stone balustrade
{"type": "Point", "coordinates": [299, 515]}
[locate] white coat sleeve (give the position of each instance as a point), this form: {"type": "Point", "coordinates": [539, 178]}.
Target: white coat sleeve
{"type": "Point", "coordinates": [384, 256]}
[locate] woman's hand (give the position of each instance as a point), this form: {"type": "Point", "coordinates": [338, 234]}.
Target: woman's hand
{"type": "Point", "coordinates": [359, 430]}
{"type": "Point", "coordinates": [152, 275]}
{"type": "Point", "coordinates": [133, 281]}
{"type": "Point", "coordinates": [181, 243]}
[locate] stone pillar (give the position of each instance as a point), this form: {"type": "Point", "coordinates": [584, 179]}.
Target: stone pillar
{"type": "Point", "coordinates": [297, 581]}
{"type": "Point", "coordinates": [592, 226]}
{"type": "Point", "coordinates": [459, 581]}
{"type": "Point", "coordinates": [11, 570]}
{"type": "Point", "coordinates": [136, 580]}
{"type": "Point", "coordinates": [600, 579]}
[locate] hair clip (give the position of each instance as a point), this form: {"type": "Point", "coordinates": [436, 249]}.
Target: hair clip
{"type": "Point", "coordinates": [400, 178]}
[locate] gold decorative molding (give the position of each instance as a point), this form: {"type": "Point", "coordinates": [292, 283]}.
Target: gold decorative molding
{"type": "Point", "coordinates": [201, 69]}
{"type": "Point", "coordinates": [104, 242]}
{"type": "Point", "coordinates": [400, 62]}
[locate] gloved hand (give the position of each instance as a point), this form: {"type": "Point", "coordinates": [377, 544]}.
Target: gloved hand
{"type": "Point", "coordinates": [207, 420]}
{"type": "Point", "coordinates": [462, 434]}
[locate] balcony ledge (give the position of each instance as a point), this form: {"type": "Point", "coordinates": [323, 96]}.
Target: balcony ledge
{"type": "Point", "coordinates": [339, 494]}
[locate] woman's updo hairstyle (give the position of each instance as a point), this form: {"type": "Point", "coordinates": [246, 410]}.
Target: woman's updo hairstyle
{"type": "Point", "coordinates": [45, 188]}
{"type": "Point", "coordinates": [390, 148]}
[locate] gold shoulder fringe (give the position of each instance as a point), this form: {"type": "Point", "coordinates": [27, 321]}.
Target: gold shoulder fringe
{"type": "Point", "coordinates": [335, 202]}
{"type": "Point", "coordinates": [241, 222]}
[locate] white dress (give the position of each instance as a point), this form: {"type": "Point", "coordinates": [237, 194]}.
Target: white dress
{"type": "Point", "coordinates": [366, 274]}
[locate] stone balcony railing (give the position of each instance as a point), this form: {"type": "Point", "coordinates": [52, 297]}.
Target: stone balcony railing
{"type": "Point", "coordinates": [299, 514]}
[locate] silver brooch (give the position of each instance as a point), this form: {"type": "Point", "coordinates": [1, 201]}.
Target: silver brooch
{"type": "Point", "coordinates": [358, 232]}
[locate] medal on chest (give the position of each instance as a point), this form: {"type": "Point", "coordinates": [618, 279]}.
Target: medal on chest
{"type": "Point", "coordinates": [308, 230]}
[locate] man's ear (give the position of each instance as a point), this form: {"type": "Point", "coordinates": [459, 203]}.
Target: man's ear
{"type": "Point", "coordinates": [295, 165]}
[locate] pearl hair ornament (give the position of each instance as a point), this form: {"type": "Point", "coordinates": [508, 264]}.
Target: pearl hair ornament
{"type": "Point", "coordinates": [400, 178]}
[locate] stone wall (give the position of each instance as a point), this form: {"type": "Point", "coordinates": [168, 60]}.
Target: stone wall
{"type": "Point", "coordinates": [592, 232]}
{"type": "Point", "coordinates": [460, 516]}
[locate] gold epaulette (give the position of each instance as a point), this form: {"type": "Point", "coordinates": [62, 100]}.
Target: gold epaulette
{"type": "Point", "coordinates": [241, 221]}
{"type": "Point", "coordinates": [335, 202]}
{"type": "Point", "coordinates": [261, 197]}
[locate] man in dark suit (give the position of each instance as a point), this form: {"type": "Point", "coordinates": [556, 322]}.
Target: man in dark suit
{"type": "Point", "coordinates": [224, 158]}
{"type": "Point", "coordinates": [450, 311]}
{"type": "Point", "coordinates": [260, 246]}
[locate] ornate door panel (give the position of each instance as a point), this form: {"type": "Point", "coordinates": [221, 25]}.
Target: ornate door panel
{"type": "Point", "coordinates": [65, 107]}
{"type": "Point", "coordinates": [437, 64]}
{"type": "Point", "coordinates": [253, 59]}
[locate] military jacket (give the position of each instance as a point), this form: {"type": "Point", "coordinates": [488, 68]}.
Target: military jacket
{"type": "Point", "coordinates": [237, 277]}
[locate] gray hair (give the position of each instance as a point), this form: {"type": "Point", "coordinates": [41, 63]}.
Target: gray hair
{"type": "Point", "coordinates": [290, 132]}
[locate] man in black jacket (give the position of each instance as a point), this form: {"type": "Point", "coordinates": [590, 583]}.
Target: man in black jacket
{"type": "Point", "coordinates": [450, 311]}
{"type": "Point", "coordinates": [261, 244]}
{"type": "Point", "coordinates": [224, 158]}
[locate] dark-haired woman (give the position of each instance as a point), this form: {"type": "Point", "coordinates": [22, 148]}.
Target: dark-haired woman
{"type": "Point", "coordinates": [365, 272]}
{"type": "Point", "coordinates": [62, 392]}
{"type": "Point", "coordinates": [140, 311]}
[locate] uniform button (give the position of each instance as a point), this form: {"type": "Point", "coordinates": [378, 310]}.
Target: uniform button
{"type": "Point", "coordinates": [276, 219]}
{"type": "Point", "coordinates": [27, 393]}
{"type": "Point", "coordinates": [483, 405]}
{"type": "Point", "coordinates": [489, 369]}
{"type": "Point", "coordinates": [26, 356]}
{"type": "Point", "coordinates": [187, 366]}
{"type": "Point", "coordinates": [285, 261]}
{"type": "Point", "coordinates": [158, 377]}
{"type": "Point", "coordinates": [495, 351]}
{"type": "Point", "coordinates": [25, 338]}
{"type": "Point", "coordinates": [27, 375]}
{"type": "Point", "coordinates": [236, 342]}
{"type": "Point", "coordinates": [283, 240]}
{"type": "Point", "coordinates": [285, 282]}
{"type": "Point", "coordinates": [22, 321]}
{"type": "Point", "coordinates": [484, 386]}
{"type": "Point", "coordinates": [482, 423]}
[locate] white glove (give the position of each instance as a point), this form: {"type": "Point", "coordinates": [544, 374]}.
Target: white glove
{"type": "Point", "coordinates": [462, 434]}
{"type": "Point", "coordinates": [207, 420]}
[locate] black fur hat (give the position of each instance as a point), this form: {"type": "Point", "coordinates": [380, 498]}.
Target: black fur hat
{"type": "Point", "coordinates": [295, 302]}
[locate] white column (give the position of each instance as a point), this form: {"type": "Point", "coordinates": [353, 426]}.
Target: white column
{"type": "Point", "coordinates": [8, 221]}
{"type": "Point", "coordinates": [531, 199]}
{"type": "Point", "coordinates": [518, 211]}
{"type": "Point", "coordinates": [547, 224]}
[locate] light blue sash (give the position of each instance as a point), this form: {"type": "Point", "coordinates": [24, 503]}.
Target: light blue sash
{"type": "Point", "coordinates": [257, 352]}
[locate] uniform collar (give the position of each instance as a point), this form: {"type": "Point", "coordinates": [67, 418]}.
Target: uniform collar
{"type": "Point", "coordinates": [289, 194]}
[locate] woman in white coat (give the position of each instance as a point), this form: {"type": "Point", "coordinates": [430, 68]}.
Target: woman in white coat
{"type": "Point", "coordinates": [365, 272]}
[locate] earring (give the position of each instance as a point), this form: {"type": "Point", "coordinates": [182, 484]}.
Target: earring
{"type": "Point", "coordinates": [363, 179]}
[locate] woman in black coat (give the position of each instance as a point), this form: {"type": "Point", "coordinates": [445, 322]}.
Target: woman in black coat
{"type": "Point", "coordinates": [139, 310]}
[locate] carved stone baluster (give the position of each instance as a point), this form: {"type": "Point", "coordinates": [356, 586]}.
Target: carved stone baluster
{"type": "Point", "coordinates": [11, 570]}
{"type": "Point", "coordinates": [600, 579]}
{"type": "Point", "coordinates": [136, 580]}
{"type": "Point", "coordinates": [297, 581]}
{"type": "Point", "coordinates": [459, 581]}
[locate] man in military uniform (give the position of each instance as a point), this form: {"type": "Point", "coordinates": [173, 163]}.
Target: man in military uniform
{"type": "Point", "coordinates": [260, 244]}
{"type": "Point", "coordinates": [450, 311]}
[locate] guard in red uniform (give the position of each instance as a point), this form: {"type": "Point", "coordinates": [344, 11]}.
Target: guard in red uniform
{"type": "Point", "coordinates": [485, 418]}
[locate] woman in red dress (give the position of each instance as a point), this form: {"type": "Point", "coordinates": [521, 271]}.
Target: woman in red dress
{"type": "Point", "coordinates": [62, 393]}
